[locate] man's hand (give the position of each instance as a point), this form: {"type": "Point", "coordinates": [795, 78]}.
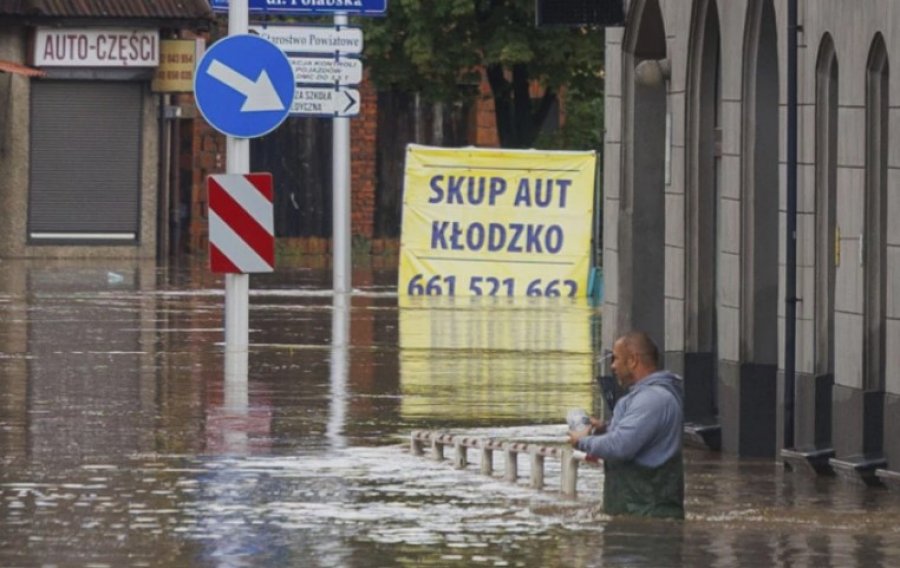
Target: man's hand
{"type": "Point", "coordinates": [597, 426]}
{"type": "Point", "coordinates": [575, 436]}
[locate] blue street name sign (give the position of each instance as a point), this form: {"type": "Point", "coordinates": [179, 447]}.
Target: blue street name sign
{"type": "Point", "coordinates": [244, 86]}
{"type": "Point", "coordinates": [354, 7]}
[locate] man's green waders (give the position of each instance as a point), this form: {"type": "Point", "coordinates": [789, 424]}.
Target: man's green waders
{"type": "Point", "coordinates": [632, 489]}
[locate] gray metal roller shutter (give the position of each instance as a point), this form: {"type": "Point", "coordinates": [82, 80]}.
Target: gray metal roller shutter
{"type": "Point", "coordinates": [85, 160]}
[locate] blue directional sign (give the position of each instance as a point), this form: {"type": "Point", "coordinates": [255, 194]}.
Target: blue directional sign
{"type": "Point", "coordinates": [244, 86]}
{"type": "Point", "coordinates": [355, 7]}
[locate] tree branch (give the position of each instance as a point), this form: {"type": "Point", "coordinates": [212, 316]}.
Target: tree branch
{"type": "Point", "coordinates": [522, 100]}
{"type": "Point", "coordinates": [500, 89]}
{"type": "Point", "coordinates": [543, 109]}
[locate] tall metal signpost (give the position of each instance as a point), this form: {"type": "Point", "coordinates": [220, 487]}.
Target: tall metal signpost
{"type": "Point", "coordinates": [340, 173]}
{"type": "Point", "coordinates": [323, 68]}
{"type": "Point", "coordinates": [326, 65]}
{"type": "Point", "coordinates": [237, 286]}
{"type": "Point", "coordinates": [323, 92]}
{"type": "Point", "coordinates": [244, 86]}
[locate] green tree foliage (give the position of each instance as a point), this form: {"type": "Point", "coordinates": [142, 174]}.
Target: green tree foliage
{"type": "Point", "coordinates": [583, 128]}
{"type": "Point", "coordinates": [438, 48]}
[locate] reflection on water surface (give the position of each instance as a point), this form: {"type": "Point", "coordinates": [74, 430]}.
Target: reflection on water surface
{"type": "Point", "coordinates": [121, 443]}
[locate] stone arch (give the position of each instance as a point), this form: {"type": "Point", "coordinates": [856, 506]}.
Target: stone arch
{"type": "Point", "coordinates": [875, 224]}
{"type": "Point", "coordinates": [859, 422]}
{"type": "Point", "coordinates": [759, 188]}
{"type": "Point", "coordinates": [825, 204]}
{"type": "Point", "coordinates": [813, 401]}
{"type": "Point", "coordinates": [703, 114]}
{"type": "Point", "coordinates": [641, 255]}
{"type": "Point", "coordinates": [748, 393]}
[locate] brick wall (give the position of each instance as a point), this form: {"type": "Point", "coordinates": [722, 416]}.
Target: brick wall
{"type": "Point", "coordinates": [363, 142]}
{"type": "Point", "coordinates": [483, 128]}
{"type": "Point", "coordinates": [208, 157]}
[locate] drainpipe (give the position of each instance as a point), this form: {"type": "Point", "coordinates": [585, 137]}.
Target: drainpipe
{"type": "Point", "coordinates": [176, 238]}
{"type": "Point", "coordinates": [790, 320]}
{"type": "Point", "coordinates": [163, 180]}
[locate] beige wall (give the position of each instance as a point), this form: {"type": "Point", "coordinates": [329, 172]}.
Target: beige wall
{"type": "Point", "coordinates": [14, 141]}
{"type": "Point", "coordinates": [14, 168]}
{"type": "Point", "coordinates": [853, 26]}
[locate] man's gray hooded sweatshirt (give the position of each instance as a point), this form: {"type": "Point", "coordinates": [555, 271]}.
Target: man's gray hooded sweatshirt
{"type": "Point", "coordinates": [641, 449]}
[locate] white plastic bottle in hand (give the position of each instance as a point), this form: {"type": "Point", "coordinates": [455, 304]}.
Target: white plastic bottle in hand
{"type": "Point", "coordinates": [578, 420]}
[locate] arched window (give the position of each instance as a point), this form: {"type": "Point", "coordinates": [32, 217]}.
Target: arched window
{"type": "Point", "coordinates": [760, 185]}
{"type": "Point", "coordinates": [641, 217]}
{"type": "Point", "coordinates": [874, 238]}
{"type": "Point", "coordinates": [702, 192]}
{"type": "Point", "coordinates": [825, 200]}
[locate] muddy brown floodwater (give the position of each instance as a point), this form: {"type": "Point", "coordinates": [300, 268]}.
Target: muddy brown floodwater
{"type": "Point", "coordinates": [122, 443]}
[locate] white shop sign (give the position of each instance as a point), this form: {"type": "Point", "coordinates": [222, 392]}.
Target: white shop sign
{"type": "Point", "coordinates": [107, 47]}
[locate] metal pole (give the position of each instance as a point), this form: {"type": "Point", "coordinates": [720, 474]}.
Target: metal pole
{"type": "Point", "coordinates": [175, 205]}
{"type": "Point", "coordinates": [340, 350]}
{"type": "Point", "coordinates": [790, 320]}
{"type": "Point", "coordinates": [237, 286]}
{"type": "Point", "coordinates": [340, 241]}
{"type": "Point", "coordinates": [162, 214]}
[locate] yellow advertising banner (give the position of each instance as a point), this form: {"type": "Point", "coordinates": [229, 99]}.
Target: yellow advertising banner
{"type": "Point", "coordinates": [522, 325]}
{"type": "Point", "coordinates": [472, 360]}
{"type": "Point", "coordinates": [489, 222]}
{"type": "Point", "coordinates": [177, 60]}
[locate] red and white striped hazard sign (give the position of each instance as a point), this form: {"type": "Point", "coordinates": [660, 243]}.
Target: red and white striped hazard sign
{"type": "Point", "coordinates": [241, 225]}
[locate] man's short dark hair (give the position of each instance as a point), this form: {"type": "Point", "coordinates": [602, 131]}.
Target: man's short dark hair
{"type": "Point", "coordinates": [640, 345]}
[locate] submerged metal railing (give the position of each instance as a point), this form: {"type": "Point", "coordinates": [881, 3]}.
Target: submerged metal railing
{"type": "Point", "coordinates": [569, 458]}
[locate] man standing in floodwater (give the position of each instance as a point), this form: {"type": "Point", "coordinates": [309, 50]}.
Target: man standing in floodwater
{"type": "Point", "coordinates": [641, 445]}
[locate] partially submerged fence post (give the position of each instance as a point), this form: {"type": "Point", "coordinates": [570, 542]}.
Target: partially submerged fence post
{"type": "Point", "coordinates": [487, 458]}
{"type": "Point", "coordinates": [437, 448]}
{"type": "Point", "coordinates": [569, 464]}
{"type": "Point", "coordinates": [569, 458]}
{"type": "Point", "coordinates": [512, 463]}
{"type": "Point", "coordinates": [415, 445]}
{"type": "Point", "coordinates": [537, 468]}
{"type": "Point", "coordinates": [459, 459]}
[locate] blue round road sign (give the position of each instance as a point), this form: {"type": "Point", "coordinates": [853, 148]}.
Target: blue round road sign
{"type": "Point", "coordinates": [244, 86]}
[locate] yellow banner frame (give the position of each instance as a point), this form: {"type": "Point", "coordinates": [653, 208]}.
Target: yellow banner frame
{"type": "Point", "coordinates": [493, 222]}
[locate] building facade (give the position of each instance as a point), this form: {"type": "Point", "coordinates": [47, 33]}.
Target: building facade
{"type": "Point", "coordinates": [695, 217]}
{"type": "Point", "coordinates": [80, 126]}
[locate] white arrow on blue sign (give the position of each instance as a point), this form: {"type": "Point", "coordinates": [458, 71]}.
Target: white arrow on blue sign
{"type": "Point", "coordinates": [244, 86]}
{"type": "Point", "coordinates": [355, 7]}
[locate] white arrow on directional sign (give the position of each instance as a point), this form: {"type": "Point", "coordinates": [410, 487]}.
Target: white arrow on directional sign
{"type": "Point", "coordinates": [327, 70]}
{"type": "Point", "coordinates": [261, 94]}
{"type": "Point", "coordinates": [312, 39]}
{"type": "Point", "coordinates": [244, 86]}
{"type": "Point", "coordinates": [322, 101]}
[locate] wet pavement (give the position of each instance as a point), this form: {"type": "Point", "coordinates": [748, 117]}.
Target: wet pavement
{"type": "Point", "coordinates": [123, 444]}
